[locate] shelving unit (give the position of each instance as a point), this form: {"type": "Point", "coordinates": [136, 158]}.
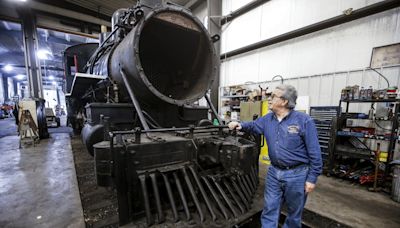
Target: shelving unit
{"type": "Point", "coordinates": [243, 101]}
{"type": "Point", "coordinates": [361, 135]}
{"type": "Point", "coordinates": [235, 96]}
{"type": "Point", "coordinates": [230, 102]}
{"type": "Point", "coordinates": [343, 141]}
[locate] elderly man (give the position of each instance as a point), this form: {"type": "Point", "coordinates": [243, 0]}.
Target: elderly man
{"type": "Point", "coordinates": [295, 156]}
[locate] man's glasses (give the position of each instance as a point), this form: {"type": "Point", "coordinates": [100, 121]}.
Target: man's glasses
{"type": "Point", "coordinates": [273, 96]}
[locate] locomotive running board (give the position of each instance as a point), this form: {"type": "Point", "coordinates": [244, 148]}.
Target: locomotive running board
{"type": "Point", "coordinates": [83, 81]}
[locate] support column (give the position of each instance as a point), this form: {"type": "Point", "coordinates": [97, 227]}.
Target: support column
{"type": "Point", "coordinates": [214, 12]}
{"type": "Point", "coordinates": [58, 95]}
{"type": "Point", "coordinates": [5, 87]}
{"type": "Point", "coordinates": [1, 88]}
{"type": "Point", "coordinates": [15, 84]}
{"type": "Point", "coordinates": [32, 64]}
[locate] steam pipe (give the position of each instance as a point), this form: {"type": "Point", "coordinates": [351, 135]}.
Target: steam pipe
{"type": "Point", "coordinates": [171, 129]}
{"type": "Point", "coordinates": [213, 109]}
{"type": "Point", "coordinates": [134, 101]}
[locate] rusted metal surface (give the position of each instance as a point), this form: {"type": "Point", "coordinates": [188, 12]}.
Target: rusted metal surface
{"type": "Point", "coordinates": [178, 20]}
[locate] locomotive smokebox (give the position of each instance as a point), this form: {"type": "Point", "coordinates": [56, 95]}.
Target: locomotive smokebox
{"type": "Point", "coordinates": [167, 56]}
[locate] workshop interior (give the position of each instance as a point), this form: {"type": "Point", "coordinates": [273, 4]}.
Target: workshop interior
{"type": "Point", "coordinates": [116, 113]}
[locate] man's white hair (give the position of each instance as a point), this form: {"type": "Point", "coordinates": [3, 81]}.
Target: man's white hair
{"type": "Point", "coordinates": [289, 94]}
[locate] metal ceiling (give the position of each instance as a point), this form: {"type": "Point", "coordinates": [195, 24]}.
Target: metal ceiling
{"type": "Point", "coordinates": [109, 7]}
{"type": "Point", "coordinates": [11, 50]}
{"type": "Point", "coordinates": [103, 7]}
{"type": "Point", "coordinates": [11, 46]}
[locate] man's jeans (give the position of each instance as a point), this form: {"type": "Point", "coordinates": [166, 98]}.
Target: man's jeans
{"type": "Point", "coordinates": [284, 186]}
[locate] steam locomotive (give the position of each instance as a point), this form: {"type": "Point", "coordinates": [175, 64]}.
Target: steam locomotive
{"type": "Point", "coordinates": [135, 97]}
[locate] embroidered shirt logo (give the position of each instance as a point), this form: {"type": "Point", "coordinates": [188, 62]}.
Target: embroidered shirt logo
{"type": "Point", "coordinates": [293, 129]}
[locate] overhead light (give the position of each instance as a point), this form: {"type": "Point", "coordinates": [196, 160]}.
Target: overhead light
{"type": "Point", "coordinates": [20, 76]}
{"type": "Point", "coordinates": [8, 68]}
{"type": "Point", "coordinates": [44, 54]}
{"type": "Point", "coordinates": [51, 77]}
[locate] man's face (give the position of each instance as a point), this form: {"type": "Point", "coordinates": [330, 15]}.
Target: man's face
{"type": "Point", "coordinates": [276, 101]}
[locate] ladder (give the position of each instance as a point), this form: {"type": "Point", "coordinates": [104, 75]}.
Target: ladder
{"type": "Point", "coordinates": [28, 131]}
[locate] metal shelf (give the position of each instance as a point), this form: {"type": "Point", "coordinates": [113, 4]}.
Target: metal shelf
{"type": "Point", "coordinates": [371, 101]}
{"type": "Point", "coordinates": [354, 155]}
{"type": "Point", "coordinates": [352, 134]}
{"type": "Point", "coordinates": [354, 152]}
{"type": "Point", "coordinates": [235, 96]}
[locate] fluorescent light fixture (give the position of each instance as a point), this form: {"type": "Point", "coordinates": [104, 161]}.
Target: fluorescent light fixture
{"type": "Point", "coordinates": [8, 68]}
{"type": "Point", "coordinates": [54, 83]}
{"type": "Point", "coordinates": [20, 76]}
{"type": "Point", "coordinates": [44, 54]}
{"type": "Point", "coordinates": [51, 77]}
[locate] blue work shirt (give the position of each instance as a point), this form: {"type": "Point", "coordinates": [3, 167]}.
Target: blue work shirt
{"type": "Point", "coordinates": [291, 142]}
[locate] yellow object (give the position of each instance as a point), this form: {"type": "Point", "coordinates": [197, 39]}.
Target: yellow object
{"type": "Point", "coordinates": [383, 156]}
{"type": "Point", "coordinates": [264, 158]}
{"type": "Point", "coordinates": [249, 109]}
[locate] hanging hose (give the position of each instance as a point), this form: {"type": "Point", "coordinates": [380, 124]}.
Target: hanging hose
{"type": "Point", "coordinates": [279, 77]}
{"type": "Point", "coordinates": [387, 81]}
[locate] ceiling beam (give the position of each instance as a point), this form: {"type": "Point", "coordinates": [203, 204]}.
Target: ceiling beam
{"type": "Point", "coordinates": [47, 67]}
{"type": "Point", "coordinates": [70, 13]}
{"type": "Point", "coordinates": [76, 8]}
{"type": "Point", "coordinates": [244, 9]}
{"type": "Point", "coordinates": [53, 39]}
{"type": "Point", "coordinates": [8, 12]}
{"type": "Point", "coordinates": [193, 4]}
{"type": "Point", "coordinates": [59, 9]}
{"type": "Point", "coordinates": [18, 36]}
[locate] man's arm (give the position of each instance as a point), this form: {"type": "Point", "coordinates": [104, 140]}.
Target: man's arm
{"type": "Point", "coordinates": [254, 127]}
{"type": "Point", "coordinates": [313, 151]}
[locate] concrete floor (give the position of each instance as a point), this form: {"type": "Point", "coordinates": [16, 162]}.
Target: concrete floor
{"type": "Point", "coordinates": [353, 205]}
{"type": "Point", "coordinates": [38, 186]}
{"type": "Point", "coordinates": [350, 204]}
{"type": "Point", "coordinates": [8, 127]}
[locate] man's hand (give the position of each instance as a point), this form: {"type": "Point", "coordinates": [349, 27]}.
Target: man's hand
{"type": "Point", "coordinates": [309, 187]}
{"type": "Point", "coordinates": [234, 125]}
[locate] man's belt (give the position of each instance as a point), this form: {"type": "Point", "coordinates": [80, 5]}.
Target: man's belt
{"type": "Point", "coordinates": [287, 167]}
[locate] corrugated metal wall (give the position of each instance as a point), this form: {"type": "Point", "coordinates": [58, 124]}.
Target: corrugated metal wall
{"type": "Point", "coordinates": [345, 49]}
{"type": "Point", "coordinates": [324, 89]}
{"type": "Point", "coordinates": [279, 16]}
